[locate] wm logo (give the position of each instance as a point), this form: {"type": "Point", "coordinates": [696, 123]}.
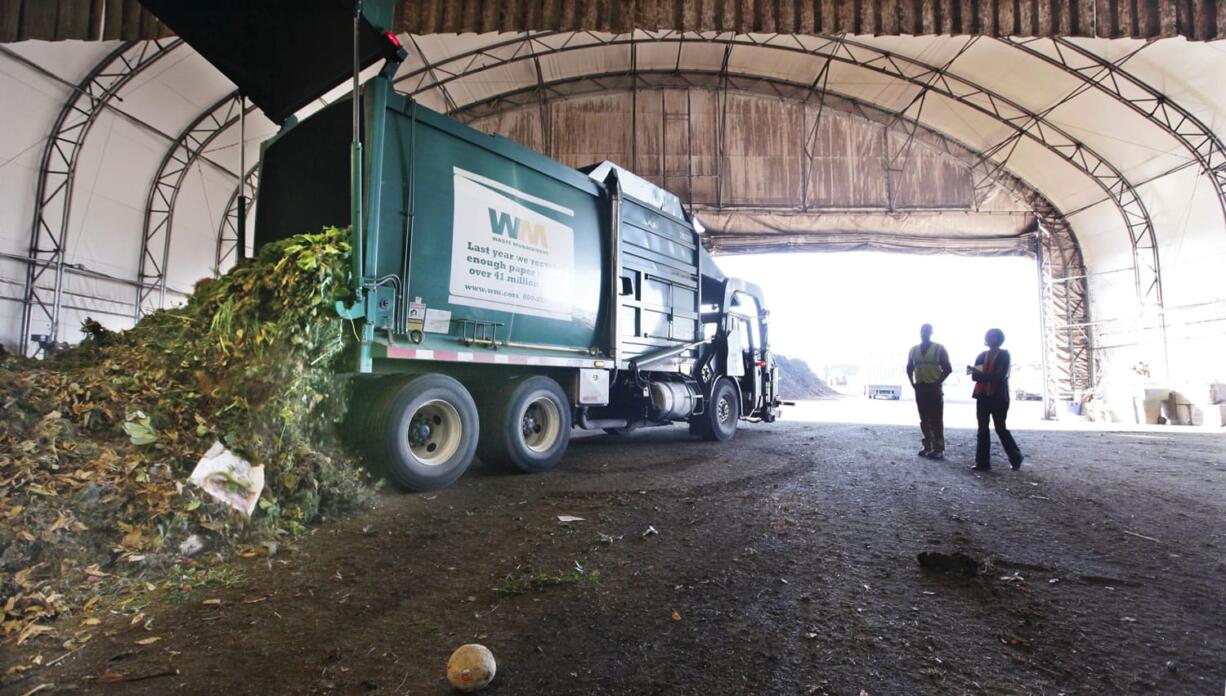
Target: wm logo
{"type": "Point", "coordinates": [503, 224]}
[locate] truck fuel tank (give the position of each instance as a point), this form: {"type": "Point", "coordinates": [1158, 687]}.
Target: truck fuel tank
{"type": "Point", "coordinates": [673, 400]}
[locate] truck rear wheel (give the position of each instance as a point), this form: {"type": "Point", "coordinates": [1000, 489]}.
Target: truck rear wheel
{"type": "Point", "coordinates": [526, 424]}
{"type": "Point", "coordinates": [429, 433]}
{"type": "Point", "coordinates": [719, 420]}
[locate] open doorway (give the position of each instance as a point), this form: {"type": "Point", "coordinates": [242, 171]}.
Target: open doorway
{"type": "Point", "coordinates": [851, 317]}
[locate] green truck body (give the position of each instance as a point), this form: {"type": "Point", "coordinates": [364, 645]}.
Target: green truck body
{"type": "Point", "coordinates": [485, 244]}
{"type": "Point", "coordinates": [501, 297]}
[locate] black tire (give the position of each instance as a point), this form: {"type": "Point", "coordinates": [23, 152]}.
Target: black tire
{"type": "Point", "coordinates": [428, 433]}
{"type": "Point", "coordinates": [526, 424]}
{"type": "Point", "coordinates": [367, 397]}
{"type": "Point", "coordinates": [719, 420]}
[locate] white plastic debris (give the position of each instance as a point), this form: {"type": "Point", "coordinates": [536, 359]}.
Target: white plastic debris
{"type": "Point", "coordinates": [191, 545]}
{"type": "Point", "coordinates": [229, 478]}
{"type": "Point", "coordinates": [569, 518]}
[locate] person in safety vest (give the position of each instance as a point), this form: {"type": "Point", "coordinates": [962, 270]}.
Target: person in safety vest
{"type": "Point", "coordinates": [991, 376]}
{"type": "Point", "coordinates": [927, 368]}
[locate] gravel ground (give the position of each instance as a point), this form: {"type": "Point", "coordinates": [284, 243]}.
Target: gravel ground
{"type": "Point", "coordinates": [783, 562]}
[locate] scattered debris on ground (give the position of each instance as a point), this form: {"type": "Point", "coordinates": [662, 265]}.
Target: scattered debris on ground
{"type": "Point", "coordinates": [841, 523]}
{"type": "Point", "coordinates": [528, 580]}
{"type": "Point", "coordinates": [97, 443]}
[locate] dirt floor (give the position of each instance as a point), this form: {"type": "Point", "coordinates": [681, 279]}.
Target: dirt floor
{"type": "Point", "coordinates": [783, 562]}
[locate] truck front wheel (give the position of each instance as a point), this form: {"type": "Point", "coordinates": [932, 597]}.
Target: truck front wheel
{"type": "Point", "coordinates": [719, 420]}
{"type": "Point", "coordinates": [526, 424]}
{"type": "Point", "coordinates": [429, 433]}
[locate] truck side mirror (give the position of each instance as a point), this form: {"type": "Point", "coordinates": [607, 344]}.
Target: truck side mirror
{"type": "Point", "coordinates": [627, 287]}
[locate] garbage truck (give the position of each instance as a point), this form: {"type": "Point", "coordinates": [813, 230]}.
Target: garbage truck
{"type": "Point", "coordinates": [502, 298]}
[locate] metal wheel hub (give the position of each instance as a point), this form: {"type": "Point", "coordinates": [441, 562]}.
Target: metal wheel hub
{"type": "Point", "coordinates": [723, 410]}
{"type": "Point", "coordinates": [434, 432]}
{"type": "Point", "coordinates": [419, 431]}
{"type": "Point", "coordinates": [541, 425]}
{"type": "Point", "coordinates": [531, 427]}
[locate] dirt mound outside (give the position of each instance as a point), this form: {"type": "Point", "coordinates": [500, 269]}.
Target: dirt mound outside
{"type": "Point", "coordinates": [797, 381]}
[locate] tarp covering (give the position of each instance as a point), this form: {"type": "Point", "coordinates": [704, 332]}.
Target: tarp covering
{"type": "Point", "coordinates": [735, 231]}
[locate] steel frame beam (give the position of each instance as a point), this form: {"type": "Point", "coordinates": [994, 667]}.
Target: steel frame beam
{"type": "Point", "coordinates": [57, 174]}
{"type": "Point", "coordinates": [1068, 346]}
{"type": "Point", "coordinates": [158, 228]}
{"type": "Point", "coordinates": [1111, 78]}
{"type": "Point", "coordinates": [1024, 122]}
{"type": "Point", "coordinates": [227, 231]}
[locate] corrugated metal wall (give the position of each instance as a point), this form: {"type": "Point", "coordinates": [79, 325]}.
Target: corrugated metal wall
{"type": "Point", "coordinates": [1195, 19]}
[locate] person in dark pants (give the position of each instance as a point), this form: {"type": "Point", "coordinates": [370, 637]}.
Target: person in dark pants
{"type": "Point", "coordinates": [927, 368]}
{"type": "Point", "coordinates": [991, 376]}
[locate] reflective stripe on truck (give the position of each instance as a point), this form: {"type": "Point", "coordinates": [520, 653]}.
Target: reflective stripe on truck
{"type": "Point", "coordinates": [489, 358]}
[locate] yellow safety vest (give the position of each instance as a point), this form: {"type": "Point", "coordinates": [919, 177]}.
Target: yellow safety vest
{"type": "Point", "coordinates": [927, 365]}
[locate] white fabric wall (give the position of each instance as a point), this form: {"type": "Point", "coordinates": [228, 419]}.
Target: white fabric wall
{"type": "Point", "coordinates": [115, 170]}
{"type": "Point", "coordinates": [29, 104]}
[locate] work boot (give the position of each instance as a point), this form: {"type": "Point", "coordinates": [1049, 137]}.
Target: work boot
{"type": "Point", "coordinates": [923, 453]}
{"type": "Point", "coordinates": [1017, 463]}
{"type": "Point", "coordinates": [981, 467]}
{"type": "Point", "coordinates": [938, 455]}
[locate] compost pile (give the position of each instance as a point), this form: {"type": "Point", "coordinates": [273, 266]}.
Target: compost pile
{"type": "Point", "coordinates": [97, 443]}
{"type": "Point", "coordinates": [797, 381]}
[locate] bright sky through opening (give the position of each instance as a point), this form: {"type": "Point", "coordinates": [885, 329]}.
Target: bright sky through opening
{"type": "Point", "coordinates": [865, 308]}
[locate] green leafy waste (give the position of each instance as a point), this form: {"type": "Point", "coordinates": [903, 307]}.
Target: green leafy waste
{"type": "Point", "coordinates": [96, 443]}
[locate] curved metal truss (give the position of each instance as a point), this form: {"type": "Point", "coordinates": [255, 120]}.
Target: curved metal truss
{"type": "Point", "coordinates": [227, 231]}
{"type": "Point", "coordinates": [57, 172]}
{"type": "Point", "coordinates": [156, 234]}
{"type": "Point", "coordinates": [1110, 77]}
{"type": "Point", "coordinates": [1023, 122]}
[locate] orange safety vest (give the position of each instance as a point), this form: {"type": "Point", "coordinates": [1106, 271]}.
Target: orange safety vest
{"type": "Point", "coordinates": [986, 388]}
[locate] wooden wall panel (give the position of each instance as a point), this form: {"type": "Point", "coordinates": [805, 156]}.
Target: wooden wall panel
{"type": "Point", "coordinates": [10, 20]}
{"type": "Point", "coordinates": [648, 137]}
{"type": "Point", "coordinates": [704, 144]}
{"type": "Point", "coordinates": [590, 129]}
{"type": "Point", "coordinates": [847, 169]}
{"type": "Point", "coordinates": [74, 18]}
{"type": "Point", "coordinates": [927, 179]}
{"type": "Point", "coordinates": [521, 125]}
{"type": "Point", "coordinates": [678, 135]}
{"type": "Point", "coordinates": [761, 162]}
